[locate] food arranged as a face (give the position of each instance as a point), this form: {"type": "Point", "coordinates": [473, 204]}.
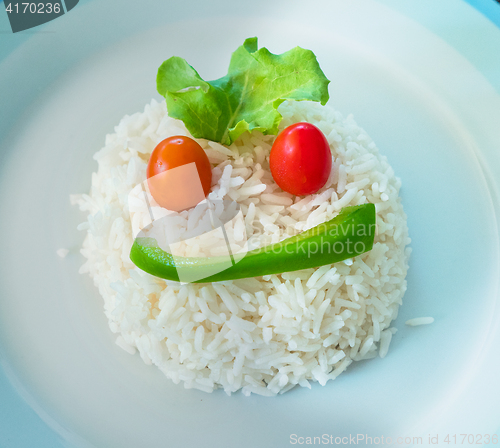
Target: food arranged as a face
{"type": "Point", "coordinates": [262, 242]}
{"type": "Point", "coordinates": [179, 172]}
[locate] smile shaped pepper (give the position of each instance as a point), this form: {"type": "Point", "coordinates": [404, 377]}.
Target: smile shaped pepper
{"type": "Point", "coordinates": [349, 234]}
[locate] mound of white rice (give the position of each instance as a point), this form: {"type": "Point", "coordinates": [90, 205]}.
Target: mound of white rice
{"type": "Point", "coordinates": [263, 335]}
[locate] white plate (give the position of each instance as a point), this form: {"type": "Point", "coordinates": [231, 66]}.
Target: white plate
{"type": "Point", "coordinates": [430, 110]}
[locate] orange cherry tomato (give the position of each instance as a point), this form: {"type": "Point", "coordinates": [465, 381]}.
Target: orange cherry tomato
{"type": "Point", "coordinates": [179, 173]}
{"type": "Point", "coordinates": [300, 159]}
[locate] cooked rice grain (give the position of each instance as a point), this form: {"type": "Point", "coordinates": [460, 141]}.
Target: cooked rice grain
{"type": "Point", "coordinates": [262, 335]}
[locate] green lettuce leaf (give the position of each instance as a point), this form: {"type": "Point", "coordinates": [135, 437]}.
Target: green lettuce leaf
{"type": "Point", "coordinates": [247, 98]}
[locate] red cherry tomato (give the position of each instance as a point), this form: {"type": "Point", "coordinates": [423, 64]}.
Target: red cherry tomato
{"type": "Point", "coordinates": [181, 188]}
{"type": "Point", "coordinates": [300, 159]}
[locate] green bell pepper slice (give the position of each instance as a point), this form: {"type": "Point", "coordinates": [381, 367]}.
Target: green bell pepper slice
{"type": "Point", "coordinates": [349, 234]}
